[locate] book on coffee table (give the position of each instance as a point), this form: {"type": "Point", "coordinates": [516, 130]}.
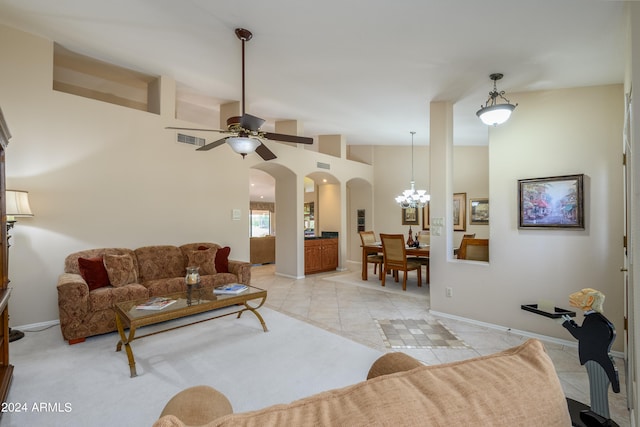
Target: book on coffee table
{"type": "Point", "coordinates": [156, 303]}
{"type": "Point", "coordinates": [230, 289]}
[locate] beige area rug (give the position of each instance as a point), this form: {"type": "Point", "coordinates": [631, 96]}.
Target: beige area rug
{"type": "Point", "coordinates": [417, 333]}
{"type": "Point", "coordinates": [88, 384]}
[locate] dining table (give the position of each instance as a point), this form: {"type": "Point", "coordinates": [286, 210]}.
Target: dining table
{"type": "Point", "coordinates": [421, 251]}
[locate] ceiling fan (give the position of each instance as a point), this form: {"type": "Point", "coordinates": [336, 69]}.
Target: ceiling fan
{"type": "Point", "coordinates": [245, 134]}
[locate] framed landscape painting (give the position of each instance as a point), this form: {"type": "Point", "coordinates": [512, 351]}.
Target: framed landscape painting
{"type": "Point", "coordinates": [554, 202]}
{"type": "Point", "coordinates": [479, 211]}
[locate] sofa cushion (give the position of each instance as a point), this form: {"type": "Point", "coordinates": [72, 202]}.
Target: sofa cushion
{"type": "Point", "coordinates": [160, 262]}
{"type": "Point", "coordinates": [187, 248]}
{"type": "Point", "coordinates": [222, 259]}
{"type": "Point", "coordinates": [71, 261]}
{"type": "Point", "coordinates": [120, 269]}
{"type": "Point", "coordinates": [93, 272]}
{"type": "Point", "coordinates": [105, 298]}
{"type": "Point", "coordinates": [165, 286]}
{"type": "Point", "coordinates": [219, 279]}
{"type": "Point", "coordinates": [204, 259]}
{"type": "Point", "coordinates": [518, 386]}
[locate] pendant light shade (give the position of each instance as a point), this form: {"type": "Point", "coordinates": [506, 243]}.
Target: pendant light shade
{"type": "Point", "coordinates": [492, 113]}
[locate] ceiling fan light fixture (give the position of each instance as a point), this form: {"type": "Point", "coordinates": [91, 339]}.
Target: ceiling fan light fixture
{"type": "Point", "coordinates": [492, 113]}
{"type": "Point", "coordinates": [243, 145]}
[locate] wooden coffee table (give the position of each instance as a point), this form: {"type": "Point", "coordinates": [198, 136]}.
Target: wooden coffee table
{"type": "Point", "coordinates": [202, 300]}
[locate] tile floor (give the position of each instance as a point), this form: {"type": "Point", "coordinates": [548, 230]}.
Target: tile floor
{"type": "Point", "coordinates": [345, 305]}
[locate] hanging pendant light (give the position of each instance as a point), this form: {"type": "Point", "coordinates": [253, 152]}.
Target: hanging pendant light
{"type": "Point", "coordinates": [493, 113]}
{"type": "Point", "coordinates": [412, 198]}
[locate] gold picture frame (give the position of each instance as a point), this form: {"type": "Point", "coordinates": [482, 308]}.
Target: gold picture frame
{"type": "Point", "coordinates": [425, 217]}
{"type": "Point", "coordinates": [410, 216]}
{"type": "Point", "coordinates": [459, 211]}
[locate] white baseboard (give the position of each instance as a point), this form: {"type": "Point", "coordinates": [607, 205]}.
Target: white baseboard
{"type": "Point", "coordinates": [541, 337]}
{"type": "Point", "coordinates": [289, 276]}
{"type": "Point", "coordinates": [35, 327]}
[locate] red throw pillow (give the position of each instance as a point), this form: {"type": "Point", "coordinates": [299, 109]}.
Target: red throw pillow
{"type": "Point", "coordinates": [93, 272]}
{"type": "Point", "coordinates": [222, 259]}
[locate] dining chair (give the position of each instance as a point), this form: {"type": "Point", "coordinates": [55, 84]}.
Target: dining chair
{"type": "Point", "coordinates": [395, 259]}
{"type": "Point", "coordinates": [369, 238]}
{"type": "Point", "coordinates": [424, 239]}
{"type": "Point", "coordinates": [464, 236]}
{"type": "Point", "coordinates": [474, 249]}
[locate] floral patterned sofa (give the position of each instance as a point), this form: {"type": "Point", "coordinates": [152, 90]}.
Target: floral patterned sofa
{"type": "Point", "coordinates": [95, 280]}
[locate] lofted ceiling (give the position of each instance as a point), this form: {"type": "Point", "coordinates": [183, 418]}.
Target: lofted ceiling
{"type": "Point", "coordinates": [366, 69]}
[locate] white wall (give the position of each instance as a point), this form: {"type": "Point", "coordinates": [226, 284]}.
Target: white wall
{"type": "Point", "coordinates": [392, 169]}
{"type": "Point", "coordinates": [392, 175]}
{"type": "Point", "coordinates": [101, 175]}
{"type": "Point", "coordinates": [551, 133]}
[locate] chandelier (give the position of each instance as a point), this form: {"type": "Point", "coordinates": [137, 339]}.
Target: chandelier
{"type": "Point", "coordinates": [412, 198]}
{"type": "Point", "coordinates": [493, 113]}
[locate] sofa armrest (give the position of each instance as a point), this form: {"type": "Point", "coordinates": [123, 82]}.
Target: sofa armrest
{"type": "Point", "coordinates": [73, 303]}
{"type": "Point", "coordinates": [391, 363]}
{"type": "Point", "coordinates": [194, 406]}
{"type": "Point", "coordinates": [242, 269]}
{"type": "Point", "coordinates": [73, 293]}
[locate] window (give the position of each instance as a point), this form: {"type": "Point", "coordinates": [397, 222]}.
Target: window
{"type": "Point", "coordinates": [260, 223]}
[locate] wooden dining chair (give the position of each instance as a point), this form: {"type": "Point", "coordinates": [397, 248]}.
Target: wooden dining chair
{"type": "Point", "coordinates": [395, 259]}
{"type": "Point", "coordinates": [465, 236]}
{"type": "Point", "coordinates": [474, 249]}
{"type": "Point", "coordinates": [369, 238]}
{"type": "Point", "coordinates": [424, 239]}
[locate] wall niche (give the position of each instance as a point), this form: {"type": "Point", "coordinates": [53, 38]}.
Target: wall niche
{"type": "Point", "coordinates": [88, 77]}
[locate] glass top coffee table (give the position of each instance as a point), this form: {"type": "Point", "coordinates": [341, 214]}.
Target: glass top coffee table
{"type": "Point", "coordinates": [199, 301]}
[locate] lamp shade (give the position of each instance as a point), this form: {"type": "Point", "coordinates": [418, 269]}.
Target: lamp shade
{"type": "Point", "coordinates": [17, 203]}
{"type": "Point", "coordinates": [495, 114]}
{"type": "Point", "coordinates": [243, 145]}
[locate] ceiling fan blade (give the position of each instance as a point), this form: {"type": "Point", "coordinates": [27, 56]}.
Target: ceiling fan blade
{"type": "Point", "coordinates": [288, 138]}
{"type": "Point", "coordinates": [265, 153]}
{"type": "Point", "coordinates": [198, 129]}
{"type": "Point", "coordinates": [249, 122]}
{"type": "Point", "coordinates": [211, 145]}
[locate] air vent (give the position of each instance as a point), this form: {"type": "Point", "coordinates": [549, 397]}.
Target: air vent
{"type": "Point", "coordinates": [188, 139]}
{"type": "Point", "coordinates": [321, 165]}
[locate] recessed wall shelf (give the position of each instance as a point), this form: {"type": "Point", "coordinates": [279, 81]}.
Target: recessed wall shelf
{"type": "Point", "coordinates": [88, 77]}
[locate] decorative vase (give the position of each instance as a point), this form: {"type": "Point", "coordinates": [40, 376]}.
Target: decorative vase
{"type": "Point", "coordinates": [192, 279]}
{"type": "Point", "coordinates": [410, 239]}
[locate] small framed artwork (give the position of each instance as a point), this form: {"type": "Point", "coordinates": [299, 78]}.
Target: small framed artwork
{"type": "Point", "coordinates": [479, 211]}
{"type": "Point", "coordinates": [553, 202]}
{"type": "Point", "coordinates": [459, 211]}
{"type": "Point", "coordinates": [410, 216]}
{"type": "Point", "coordinates": [425, 216]}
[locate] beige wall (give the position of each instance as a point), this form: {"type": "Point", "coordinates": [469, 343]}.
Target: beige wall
{"type": "Point", "coordinates": [551, 133]}
{"type": "Point", "coordinates": [392, 169]}
{"type": "Point", "coordinates": [102, 175]}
